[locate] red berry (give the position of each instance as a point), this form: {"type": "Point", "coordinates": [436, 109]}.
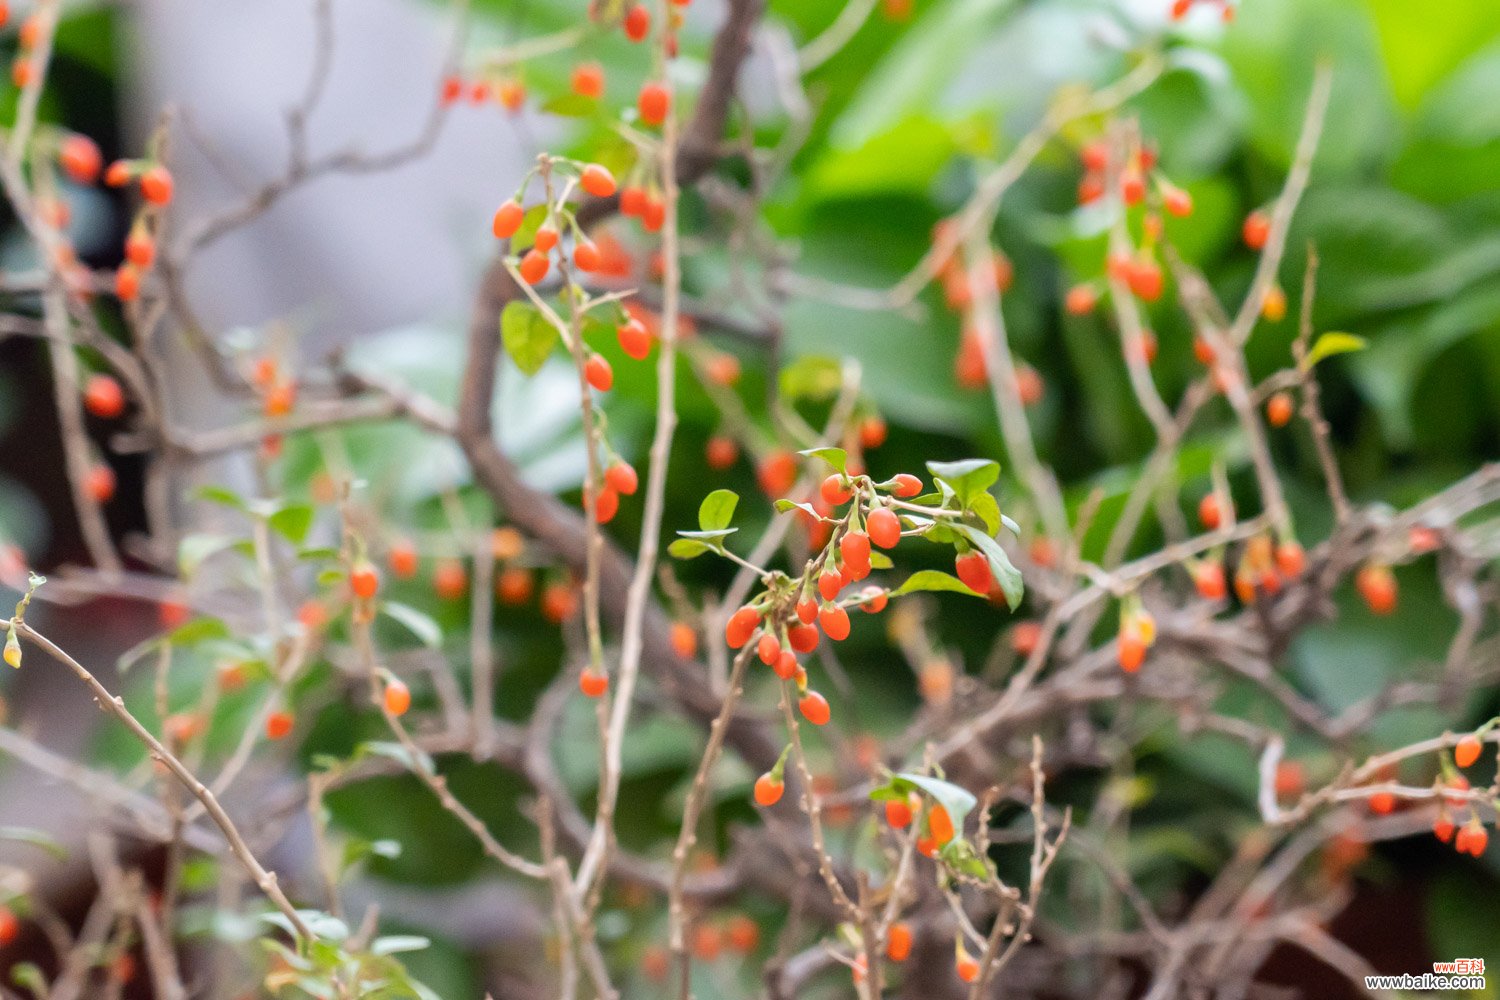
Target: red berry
{"type": "Point", "coordinates": [807, 611]}
{"type": "Point", "coordinates": [508, 219]}
{"type": "Point", "coordinates": [654, 103]}
{"type": "Point", "coordinates": [768, 789]}
{"type": "Point", "coordinates": [721, 452]}
{"type": "Point", "coordinates": [940, 824]}
{"type": "Point", "coordinates": [397, 698]}
{"type": "Point", "coordinates": [635, 339]}
{"type": "Point", "coordinates": [103, 397]}
{"type": "Point", "coordinates": [1080, 300]}
{"type": "Point", "coordinates": [768, 649]}
{"type": "Point", "coordinates": [588, 81]}
{"type": "Point", "coordinates": [872, 432]}
{"type": "Point", "coordinates": [450, 580]}
{"type": "Point", "coordinates": [741, 626]}
{"type": "Point", "coordinates": [1467, 750]}
{"type": "Point", "coordinates": [803, 638]}
{"type": "Point", "coordinates": [586, 256]}
{"type": "Point", "coordinates": [156, 185]}
{"type": "Point", "coordinates": [637, 23]}
{"type": "Point", "coordinates": [364, 580]}
{"type": "Point", "coordinates": [452, 90]}
{"type": "Point", "coordinates": [403, 559]}
{"type": "Point", "coordinates": [534, 266]}
{"type": "Point", "coordinates": [632, 200]}
{"type": "Point", "coordinates": [80, 158]}
{"type": "Point", "coordinates": [1146, 280]}
{"type": "Point", "coordinates": [621, 477]}
{"type": "Point", "coordinates": [512, 95]}
{"type": "Point", "coordinates": [606, 505]}
{"type": "Point", "coordinates": [855, 549]}
{"type": "Point", "coordinates": [598, 372]}
{"type": "Point", "coordinates": [1257, 230]}
{"type": "Point", "coordinates": [1291, 560]}
{"type": "Point", "coordinates": [1443, 827]}
{"type": "Point", "coordinates": [786, 666]}
{"type": "Point", "coordinates": [967, 968]}
{"type": "Point", "coordinates": [118, 174]}
{"type": "Point", "coordinates": [546, 238]}
{"type": "Point", "coordinates": [653, 213]}
{"type": "Point", "coordinates": [597, 181]}
{"type": "Point", "coordinates": [99, 484]}
{"type": "Point", "coordinates": [1131, 650]}
{"type": "Point", "coordinates": [830, 582]}
{"type": "Point", "coordinates": [884, 527]}
{"type": "Point", "coordinates": [1279, 409]}
{"type": "Point", "coordinates": [1209, 512]}
{"type": "Point", "coordinates": [1209, 579]}
{"type": "Point", "coordinates": [906, 485]}
{"type": "Point", "coordinates": [777, 473]}
{"type": "Point", "coordinates": [1025, 637]}
{"type": "Point", "coordinates": [898, 938]}
{"type": "Point", "coordinates": [873, 600]}
{"type": "Point", "coordinates": [814, 708]}
{"type": "Point", "coordinates": [835, 622]}
{"type": "Point", "coordinates": [1132, 187]}
{"type": "Point", "coordinates": [974, 570]}
{"type": "Point", "coordinates": [835, 491]}
{"type": "Point", "coordinates": [278, 725]}
{"type": "Point", "coordinates": [1177, 201]}
{"type": "Point", "coordinates": [1377, 585]}
{"type": "Point", "coordinates": [593, 684]}
{"type": "Point", "coordinates": [127, 283]}
{"type": "Point", "coordinates": [898, 813]}
{"type": "Point", "coordinates": [140, 249]}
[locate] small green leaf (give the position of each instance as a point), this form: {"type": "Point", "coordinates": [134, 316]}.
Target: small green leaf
{"type": "Point", "coordinates": [717, 510]}
{"type": "Point", "coordinates": [393, 943]}
{"type": "Point", "coordinates": [836, 457]}
{"type": "Point", "coordinates": [933, 579]}
{"type": "Point", "coordinates": [292, 522]}
{"type": "Point", "coordinates": [572, 106]}
{"type": "Point", "coordinates": [688, 548]}
{"type": "Point", "coordinates": [812, 378]}
{"type": "Point", "coordinates": [418, 623]}
{"type": "Point", "coordinates": [529, 338]}
{"type": "Point", "coordinates": [1005, 572]}
{"type": "Point", "coordinates": [195, 549]}
{"type": "Point", "coordinates": [879, 560]}
{"type": "Point", "coordinates": [1329, 344]}
{"type": "Point", "coordinates": [221, 495]}
{"type": "Point", "coordinates": [784, 505]}
{"type": "Point", "coordinates": [967, 479]}
{"type": "Point", "coordinates": [36, 838]}
{"type": "Point", "coordinates": [987, 509]}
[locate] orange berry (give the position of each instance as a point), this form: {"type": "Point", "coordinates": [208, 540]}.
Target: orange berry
{"type": "Point", "coordinates": [1467, 750]}
{"type": "Point", "coordinates": [511, 95]}
{"type": "Point", "coordinates": [622, 478]}
{"type": "Point", "coordinates": [364, 580]}
{"type": "Point", "coordinates": [872, 432]}
{"type": "Point", "coordinates": [940, 824]}
{"type": "Point", "coordinates": [23, 72]}
{"type": "Point", "coordinates": [279, 399]}
{"type": "Point", "coordinates": [156, 185]}
{"type": "Point", "coordinates": [741, 626]}
{"type": "Point", "coordinates": [1257, 230]}
{"type": "Point", "coordinates": [721, 452]}
{"type": "Point", "coordinates": [898, 941]}
{"type": "Point", "coordinates": [397, 698]}
{"type": "Point", "coordinates": [588, 80]}
{"type": "Point", "coordinates": [606, 505]}
{"type": "Point", "coordinates": [514, 585]}
{"type": "Point", "coordinates": [103, 397]}
{"type": "Point", "coordinates": [637, 23]}
{"type": "Point", "coordinates": [1025, 637]}
{"type": "Point", "coordinates": [967, 968]}
{"type": "Point", "coordinates": [403, 559]}
{"type": "Point", "coordinates": [684, 640]}
{"type": "Point", "coordinates": [898, 813]}
{"type": "Point", "coordinates": [599, 373]}
{"type": "Point", "coordinates": [722, 369]}
{"type": "Point", "coordinates": [1080, 300]}
{"type": "Point", "coordinates": [814, 708]}
{"type": "Point", "coordinates": [884, 527]}
{"type": "Point", "coordinates": [635, 339]}
{"type": "Point", "coordinates": [140, 249]}
{"type": "Point", "coordinates": [508, 219]}
{"type": "Point", "coordinates": [1131, 649]}
{"type": "Point", "coordinates": [1377, 585]}
{"type": "Point", "coordinates": [835, 622]}
{"type": "Point", "coordinates": [99, 483]}
{"type": "Point", "coordinates": [777, 473]}
{"type": "Point", "coordinates": [974, 570]}
{"type": "Point", "coordinates": [127, 283]}
{"type": "Point", "coordinates": [1210, 513]}
{"type": "Point", "coordinates": [1273, 306]}
{"type": "Point", "coordinates": [533, 266]}
{"type": "Point", "coordinates": [278, 725]}
{"type": "Point", "coordinates": [80, 158]}
{"type": "Point", "coordinates": [906, 485]}
{"type": "Point", "coordinates": [1290, 780]}
{"type": "Point", "coordinates": [593, 684]}
{"type": "Point", "coordinates": [1291, 560]}
{"type": "Point", "coordinates": [1279, 409]}
{"type": "Point", "coordinates": [1177, 202]}
{"type": "Point", "coordinates": [768, 790]}
{"type": "Point", "coordinates": [743, 934]}
{"type": "Point", "coordinates": [450, 580]}
{"type": "Point", "coordinates": [654, 103]}
{"type": "Point", "coordinates": [597, 181]}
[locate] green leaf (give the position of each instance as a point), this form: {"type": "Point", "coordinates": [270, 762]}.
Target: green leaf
{"type": "Point", "coordinates": [967, 479]}
{"type": "Point", "coordinates": [812, 378]}
{"type": "Point", "coordinates": [292, 522]}
{"type": "Point", "coordinates": [418, 623]}
{"type": "Point", "coordinates": [36, 838]}
{"type": "Point", "coordinates": [1005, 572]}
{"type": "Point", "coordinates": [717, 510]}
{"type": "Point", "coordinates": [529, 338]}
{"type": "Point", "coordinates": [1329, 344]}
{"type": "Point", "coordinates": [958, 801]}
{"type": "Point", "coordinates": [784, 505]}
{"type": "Point", "coordinates": [222, 496]}
{"type": "Point", "coordinates": [688, 548]}
{"type": "Point", "coordinates": [985, 507]}
{"type": "Point", "coordinates": [393, 943]}
{"type": "Point", "coordinates": [195, 549]}
{"type": "Point", "coordinates": [933, 579]}
{"type": "Point", "coordinates": [836, 457]}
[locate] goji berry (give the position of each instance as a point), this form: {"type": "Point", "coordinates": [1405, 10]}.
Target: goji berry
{"type": "Point", "coordinates": [156, 185]}
{"type": "Point", "coordinates": [654, 103]}
{"type": "Point", "coordinates": [397, 698]}
{"type": "Point", "coordinates": [103, 397]}
{"type": "Point", "coordinates": [597, 181]}
{"type": "Point", "coordinates": [1467, 750]}
{"type": "Point", "coordinates": [974, 570]}
{"type": "Point", "coordinates": [278, 725]}
{"type": "Point", "coordinates": [768, 790]}
{"type": "Point", "coordinates": [1279, 409]}
{"type": "Point", "coordinates": [80, 158]}
{"type": "Point", "coordinates": [635, 339]}
{"type": "Point", "coordinates": [741, 626]}
{"type": "Point", "coordinates": [534, 266]}
{"type": "Point", "coordinates": [403, 559]}
{"type": "Point", "coordinates": [592, 683]}
{"type": "Point", "coordinates": [588, 81]}
{"type": "Point", "coordinates": [814, 708]}
{"type": "Point", "coordinates": [884, 527]}
{"type": "Point", "coordinates": [1256, 230]}
{"type": "Point", "coordinates": [1377, 585]}
{"type": "Point", "coordinates": [835, 622]}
